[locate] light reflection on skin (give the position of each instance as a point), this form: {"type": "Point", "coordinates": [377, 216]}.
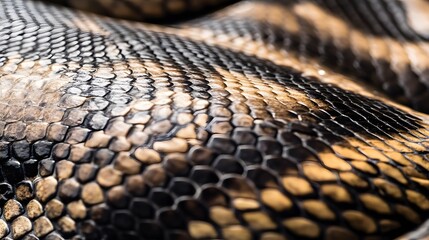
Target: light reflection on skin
{"type": "Point", "coordinates": [418, 15]}
{"type": "Point", "coordinates": [30, 84]}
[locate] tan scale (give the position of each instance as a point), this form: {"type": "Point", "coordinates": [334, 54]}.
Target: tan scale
{"type": "Point", "coordinates": [348, 152]}
{"type": "Point", "coordinates": [245, 204]}
{"type": "Point", "coordinates": [92, 193]}
{"type": "Point", "coordinates": [318, 209]}
{"type": "Point", "coordinates": [46, 188]}
{"type": "Point", "coordinates": [419, 160]}
{"type": "Point", "coordinates": [201, 230]}
{"type": "Point", "coordinates": [12, 209]}
{"type": "Point", "coordinates": [259, 221]}
{"type": "Point", "coordinates": [420, 181]}
{"type": "Point", "coordinates": [331, 161]}
{"type": "Point", "coordinates": [392, 172]}
{"type": "Point", "coordinates": [387, 188]}
{"type": "Point", "coordinates": [353, 180]}
{"type": "Point", "coordinates": [76, 210]}
{"type": "Point", "coordinates": [360, 221]}
{"type": "Point", "coordinates": [364, 167]}
{"type": "Point", "coordinates": [108, 176]}
{"type": "Point", "coordinates": [272, 236]}
{"type": "Point", "coordinates": [4, 228]}
{"type": "Point", "coordinates": [222, 216]}
{"type": "Point", "coordinates": [236, 232]}
{"type": "Point", "coordinates": [372, 153]}
{"type": "Point", "coordinates": [276, 200]}
{"type": "Point", "coordinates": [54, 209]}
{"type": "Point", "coordinates": [67, 224]}
{"type": "Point", "coordinates": [24, 192]}
{"type": "Point", "coordinates": [34, 209]}
{"type": "Point", "coordinates": [126, 164]}
{"type": "Point", "coordinates": [334, 232]}
{"type": "Point", "coordinates": [20, 226]}
{"type": "Point", "coordinates": [302, 227]}
{"type": "Point", "coordinates": [135, 184]}
{"type": "Point", "coordinates": [64, 169]}
{"type": "Point", "coordinates": [336, 193]}
{"type": "Point", "coordinates": [398, 158]}
{"type": "Point", "coordinates": [317, 173]}
{"type": "Point", "coordinates": [297, 186]}
{"type": "Point", "coordinates": [387, 225]}
{"type": "Point", "coordinates": [374, 203]}
{"type": "Point", "coordinates": [412, 172]}
{"type": "Point", "coordinates": [42, 226]}
{"type": "Point", "coordinates": [418, 199]}
{"type": "Point", "coordinates": [408, 213]}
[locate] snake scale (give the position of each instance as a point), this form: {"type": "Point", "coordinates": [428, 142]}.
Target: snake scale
{"type": "Point", "coordinates": [257, 119]}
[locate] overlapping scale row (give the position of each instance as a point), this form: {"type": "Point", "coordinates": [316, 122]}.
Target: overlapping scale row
{"type": "Point", "coordinates": [119, 130]}
{"type": "Point", "coordinates": [380, 42]}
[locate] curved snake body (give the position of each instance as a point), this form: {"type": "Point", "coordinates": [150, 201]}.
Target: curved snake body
{"type": "Point", "coordinates": [255, 122]}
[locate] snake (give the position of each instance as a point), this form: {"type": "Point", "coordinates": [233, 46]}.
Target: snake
{"type": "Point", "coordinates": [217, 119]}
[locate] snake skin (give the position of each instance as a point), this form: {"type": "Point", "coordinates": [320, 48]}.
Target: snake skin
{"type": "Point", "coordinates": [148, 10]}
{"type": "Point", "coordinates": [255, 122]}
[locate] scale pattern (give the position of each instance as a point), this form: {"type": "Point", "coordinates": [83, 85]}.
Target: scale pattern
{"type": "Point", "coordinates": [373, 41]}
{"type": "Point", "coordinates": [209, 129]}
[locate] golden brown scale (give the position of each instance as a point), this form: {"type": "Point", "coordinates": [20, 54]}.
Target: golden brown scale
{"type": "Point", "coordinates": [220, 128]}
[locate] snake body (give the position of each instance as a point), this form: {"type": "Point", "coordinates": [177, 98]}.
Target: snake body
{"type": "Point", "coordinates": [263, 120]}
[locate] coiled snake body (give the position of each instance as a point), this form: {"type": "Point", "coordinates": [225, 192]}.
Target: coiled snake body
{"type": "Point", "coordinates": [264, 120]}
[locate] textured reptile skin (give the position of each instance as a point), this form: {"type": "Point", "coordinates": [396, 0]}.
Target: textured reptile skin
{"type": "Point", "coordinates": [254, 122]}
{"type": "Point", "coordinates": [148, 10]}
